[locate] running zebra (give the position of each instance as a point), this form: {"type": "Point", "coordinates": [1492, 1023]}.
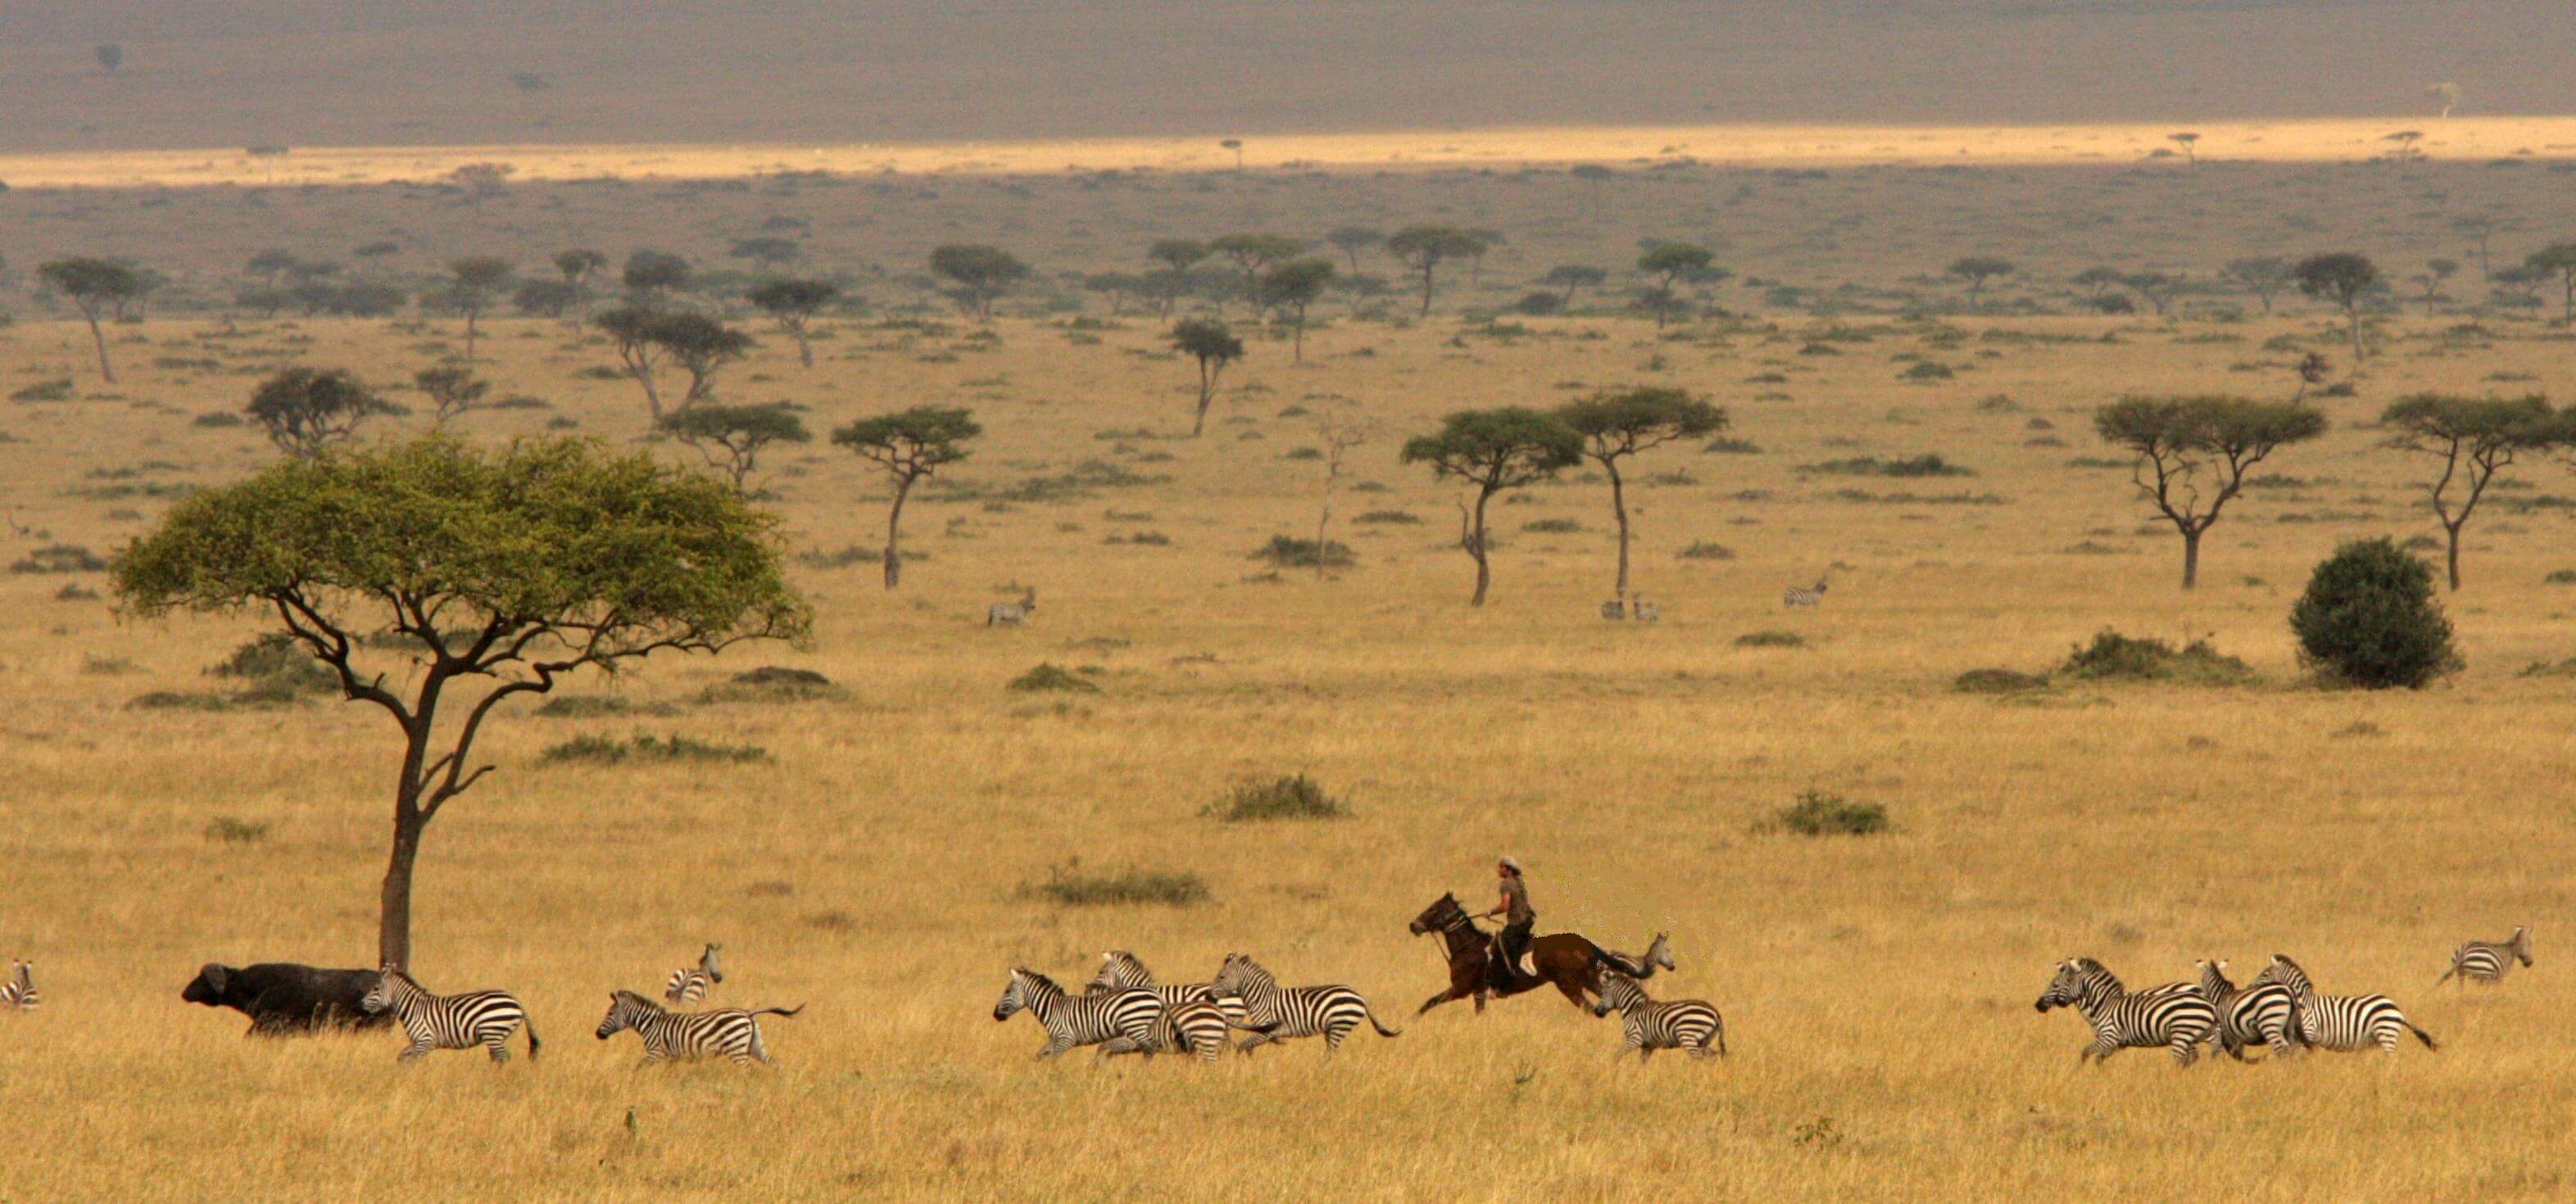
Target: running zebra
{"type": "Point", "coordinates": [1803, 595]}
{"type": "Point", "coordinates": [1012, 614]}
{"type": "Point", "coordinates": [2487, 961]}
{"type": "Point", "coordinates": [1278, 1013]}
{"type": "Point", "coordinates": [1126, 1018]}
{"type": "Point", "coordinates": [1192, 1026]}
{"type": "Point", "coordinates": [2178, 1019]}
{"type": "Point", "coordinates": [20, 990]}
{"type": "Point", "coordinates": [485, 1018]}
{"type": "Point", "coordinates": [687, 1036]}
{"type": "Point", "coordinates": [2342, 1023]}
{"type": "Point", "coordinates": [1120, 969]}
{"type": "Point", "coordinates": [1687, 1024]}
{"type": "Point", "coordinates": [1647, 612]}
{"type": "Point", "coordinates": [2264, 1012]}
{"type": "Point", "coordinates": [690, 984]}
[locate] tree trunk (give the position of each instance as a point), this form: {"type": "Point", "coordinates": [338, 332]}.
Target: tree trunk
{"type": "Point", "coordinates": [469, 335]}
{"type": "Point", "coordinates": [894, 527]}
{"type": "Point", "coordinates": [1207, 395]}
{"type": "Point", "coordinates": [1476, 548]}
{"type": "Point", "coordinates": [1619, 506]}
{"type": "Point", "coordinates": [1300, 356]}
{"type": "Point", "coordinates": [804, 349]}
{"type": "Point", "coordinates": [1426, 290]}
{"type": "Point", "coordinates": [98, 335]}
{"type": "Point", "coordinates": [2358, 354]}
{"type": "Point", "coordinates": [2453, 529]}
{"type": "Point", "coordinates": [393, 933]}
{"type": "Point", "coordinates": [652, 394]}
{"type": "Point", "coordinates": [2191, 556]}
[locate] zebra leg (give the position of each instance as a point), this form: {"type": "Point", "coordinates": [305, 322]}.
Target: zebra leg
{"type": "Point", "coordinates": [760, 1048]}
{"type": "Point", "coordinates": [2185, 1050]}
{"type": "Point", "coordinates": [1055, 1047]}
{"type": "Point", "coordinates": [1256, 1039]}
{"type": "Point", "coordinates": [419, 1049]}
{"type": "Point", "coordinates": [499, 1045]}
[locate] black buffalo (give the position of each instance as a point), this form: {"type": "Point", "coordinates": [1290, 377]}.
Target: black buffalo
{"type": "Point", "coordinates": [282, 997]}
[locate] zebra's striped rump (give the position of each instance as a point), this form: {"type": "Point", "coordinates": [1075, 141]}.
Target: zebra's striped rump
{"type": "Point", "coordinates": [2175, 1016]}
{"type": "Point", "coordinates": [2342, 1023]}
{"type": "Point", "coordinates": [1120, 970]}
{"type": "Point", "coordinates": [686, 1036]}
{"type": "Point", "coordinates": [20, 989]}
{"type": "Point", "coordinates": [1120, 1021]}
{"type": "Point", "coordinates": [1276, 1013]}
{"type": "Point", "coordinates": [690, 984]}
{"type": "Point", "coordinates": [1646, 1025]}
{"type": "Point", "coordinates": [485, 1018]}
{"type": "Point", "coordinates": [2487, 961]}
{"type": "Point", "coordinates": [2265, 1012]}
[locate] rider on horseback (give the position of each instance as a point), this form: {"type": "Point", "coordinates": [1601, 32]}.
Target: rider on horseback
{"type": "Point", "coordinates": [1518, 918]}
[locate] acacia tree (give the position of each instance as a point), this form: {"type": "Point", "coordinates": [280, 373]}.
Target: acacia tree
{"type": "Point", "coordinates": [630, 330]}
{"type": "Point", "coordinates": [2343, 278]}
{"type": "Point", "coordinates": [1572, 276]}
{"type": "Point", "coordinates": [2558, 259]}
{"type": "Point", "coordinates": [98, 288]}
{"type": "Point", "coordinates": [731, 438]}
{"type": "Point", "coordinates": [1617, 424]}
{"type": "Point", "coordinates": [909, 445]}
{"type": "Point", "coordinates": [1422, 248]}
{"type": "Point", "coordinates": [2197, 451]}
{"type": "Point", "coordinates": [2190, 144]}
{"type": "Point", "coordinates": [505, 570]}
{"type": "Point", "coordinates": [1977, 269]}
{"type": "Point", "coordinates": [1351, 240]}
{"type": "Point", "coordinates": [652, 276]}
{"type": "Point", "coordinates": [1342, 428]}
{"type": "Point", "coordinates": [306, 410]}
{"type": "Point", "coordinates": [792, 304]}
{"type": "Point", "coordinates": [476, 281]}
{"type": "Point", "coordinates": [1178, 256]}
{"type": "Point", "coordinates": [1673, 264]}
{"type": "Point", "coordinates": [698, 344]}
{"type": "Point", "coordinates": [1494, 450]}
{"type": "Point", "coordinates": [1289, 288]}
{"type": "Point", "coordinates": [2262, 275]}
{"type": "Point", "coordinates": [1251, 254]}
{"type": "Point", "coordinates": [981, 274]}
{"type": "Point", "coordinates": [2474, 438]}
{"type": "Point", "coordinates": [452, 389]}
{"type": "Point", "coordinates": [1214, 347]}
{"type": "Point", "coordinates": [579, 265]}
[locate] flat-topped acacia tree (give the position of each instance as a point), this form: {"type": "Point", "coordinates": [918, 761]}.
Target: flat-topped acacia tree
{"type": "Point", "coordinates": [1620, 423]}
{"type": "Point", "coordinates": [2193, 453]}
{"type": "Point", "coordinates": [468, 578]}
{"type": "Point", "coordinates": [1422, 248]}
{"type": "Point", "coordinates": [793, 304]}
{"type": "Point", "coordinates": [1214, 347]}
{"type": "Point", "coordinates": [1494, 450]}
{"type": "Point", "coordinates": [909, 445]}
{"type": "Point", "coordinates": [98, 288]}
{"type": "Point", "coordinates": [2474, 438]}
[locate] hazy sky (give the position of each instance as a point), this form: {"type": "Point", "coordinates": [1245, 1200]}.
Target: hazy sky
{"type": "Point", "coordinates": [306, 72]}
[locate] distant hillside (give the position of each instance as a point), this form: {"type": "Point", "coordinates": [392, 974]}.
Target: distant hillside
{"type": "Point", "coordinates": [315, 72]}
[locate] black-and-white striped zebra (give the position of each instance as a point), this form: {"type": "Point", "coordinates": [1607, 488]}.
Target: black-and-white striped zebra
{"type": "Point", "coordinates": [485, 1018]}
{"type": "Point", "coordinates": [1276, 1013]}
{"type": "Point", "coordinates": [1011, 614]}
{"type": "Point", "coordinates": [1192, 1026]}
{"type": "Point", "coordinates": [1120, 969]}
{"type": "Point", "coordinates": [2178, 1019]}
{"type": "Point", "coordinates": [1072, 1020]}
{"type": "Point", "coordinates": [1798, 595]}
{"type": "Point", "coordinates": [2343, 1023]}
{"type": "Point", "coordinates": [20, 990]}
{"type": "Point", "coordinates": [2265, 1012]}
{"type": "Point", "coordinates": [1685, 1024]}
{"type": "Point", "coordinates": [687, 1036]}
{"type": "Point", "coordinates": [2487, 961]}
{"type": "Point", "coordinates": [689, 984]}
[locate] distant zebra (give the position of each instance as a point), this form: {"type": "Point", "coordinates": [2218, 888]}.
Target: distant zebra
{"type": "Point", "coordinates": [20, 990]}
{"type": "Point", "coordinates": [1120, 969]}
{"type": "Point", "coordinates": [686, 1036]}
{"type": "Point", "coordinates": [2487, 961]}
{"type": "Point", "coordinates": [1127, 1018]}
{"type": "Point", "coordinates": [2343, 1023]}
{"type": "Point", "coordinates": [1011, 614]}
{"type": "Point", "coordinates": [1647, 612]}
{"type": "Point", "coordinates": [2178, 1019]}
{"type": "Point", "coordinates": [1686, 1024]}
{"type": "Point", "coordinates": [1804, 596]}
{"type": "Point", "coordinates": [1614, 610]}
{"type": "Point", "coordinates": [1278, 1013]}
{"type": "Point", "coordinates": [690, 984]}
{"type": "Point", "coordinates": [2264, 1012]}
{"type": "Point", "coordinates": [485, 1018]}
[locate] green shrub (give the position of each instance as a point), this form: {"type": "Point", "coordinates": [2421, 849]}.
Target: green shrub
{"type": "Point", "coordinates": [1728, 445]}
{"type": "Point", "coordinates": [1290, 552]}
{"type": "Point", "coordinates": [1051, 676]}
{"type": "Point", "coordinates": [1998, 681]}
{"type": "Point", "coordinates": [584, 706]}
{"type": "Point", "coordinates": [1069, 884]}
{"type": "Point", "coordinates": [1297, 797]}
{"type": "Point", "coordinates": [58, 389]}
{"type": "Point", "coordinates": [276, 666]}
{"type": "Point", "coordinates": [2116, 657]}
{"type": "Point", "coordinates": [1552, 526]}
{"type": "Point", "coordinates": [1930, 464]}
{"type": "Point", "coordinates": [224, 829]}
{"type": "Point", "coordinates": [1771, 639]}
{"type": "Point", "coordinates": [1701, 549]}
{"type": "Point", "coordinates": [2369, 617]}
{"type": "Point", "coordinates": [1819, 814]}
{"type": "Point", "coordinates": [773, 683]}
{"type": "Point", "coordinates": [1398, 517]}
{"type": "Point", "coordinates": [2561, 577]}
{"type": "Point", "coordinates": [604, 750]}
{"type": "Point", "coordinates": [60, 558]}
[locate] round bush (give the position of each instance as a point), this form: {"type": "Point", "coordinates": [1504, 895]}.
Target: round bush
{"type": "Point", "coordinates": [2369, 616]}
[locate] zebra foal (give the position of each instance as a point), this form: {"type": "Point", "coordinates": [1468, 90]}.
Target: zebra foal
{"type": "Point", "coordinates": [1684, 1024]}
{"type": "Point", "coordinates": [2487, 961]}
{"type": "Point", "coordinates": [686, 1036]}
{"type": "Point", "coordinates": [2343, 1023]}
{"type": "Point", "coordinates": [690, 984]}
{"type": "Point", "coordinates": [485, 1018]}
{"type": "Point", "coordinates": [1118, 1021]}
{"type": "Point", "coordinates": [1276, 1013]}
{"type": "Point", "coordinates": [20, 990]}
{"type": "Point", "coordinates": [2175, 1016]}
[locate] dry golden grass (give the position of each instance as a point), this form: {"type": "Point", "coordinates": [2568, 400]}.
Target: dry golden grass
{"type": "Point", "coordinates": [1877, 991]}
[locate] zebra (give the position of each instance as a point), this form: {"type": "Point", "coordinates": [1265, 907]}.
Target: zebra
{"type": "Point", "coordinates": [1120, 969]}
{"type": "Point", "coordinates": [1804, 596]}
{"type": "Point", "coordinates": [485, 1018]}
{"type": "Point", "coordinates": [1647, 612]}
{"type": "Point", "coordinates": [1125, 1018]}
{"type": "Point", "coordinates": [690, 984]}
{"type": "Point", "coordinates": [2177, 1018]}
{"type": "Point", "coordinates": [1686, 1024]}
{"type": "Point", "coordinates": [669, 1035]}
{"type": "Point", "coordinates": [20, 990]}
{"type": "Point", "coordinates": [2265, 1012]}
{"type": "Point", "coordinates": [1012, 614]}
{"type": "Point", "coordinates": [1196, 1025]}
{"type": "Point", "coordinates": [1614, 610]}
{"type": "Point", "coordinates": [2342, 1023]}
{"type": "Point", "coordinates": [1278, 1013]}
{"type": "Point", "coordinates": [2487, 961]}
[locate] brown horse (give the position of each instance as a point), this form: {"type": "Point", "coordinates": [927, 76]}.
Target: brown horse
{"type": "Point", "coordinates": [1569, 962]}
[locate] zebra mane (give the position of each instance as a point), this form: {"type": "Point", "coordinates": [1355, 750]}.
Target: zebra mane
{"type": "Point", "coordinates": [640, 1001]}
{"type": "Point", "coordinates": [1036, 980]}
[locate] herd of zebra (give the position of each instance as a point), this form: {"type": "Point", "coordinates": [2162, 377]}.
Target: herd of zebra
{"type": "Point", "coordinates": [491, 1018]}
{"type": "Point", "coordinates": [2281, 1008]}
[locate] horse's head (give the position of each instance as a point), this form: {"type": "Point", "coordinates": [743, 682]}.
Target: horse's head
{"type": "Point", "coordinates": [1442, 912]}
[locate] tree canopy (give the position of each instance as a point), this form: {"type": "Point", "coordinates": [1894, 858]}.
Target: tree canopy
{"type": "Point", "coordinates": [1494, 450]}
{"type": "Point", "coordinates": [909, 444]}
{"type": "Point", "coordinates": [2474, 438]}
{"type": "Point", "coordinates": [2193, 453]}
{"type": "Point", "coordinates": [1214, 347]}
{"type": "Point", "coordinates": [981, 273]}
{"type": "Point", "coordinates": [793, 303]}
{"type": "Point", "coordinates": [732, 437]}
{"type": "Point", "coordinates": [1616, 424]}
{"type": "Point", "coordinates": [96, 287]}
{"type": "Point", "coordinates": [1423, 248]}
{"type": "Point", "coordinates": [306, 410]}
{"type": "Point", "coordinates": [2344, 279]}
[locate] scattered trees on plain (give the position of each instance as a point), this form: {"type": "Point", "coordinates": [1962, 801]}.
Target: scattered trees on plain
{"type": "Point", "coordinates": [1978, 269]}
{"type": "Point", "coordinates": [452, 390]}
{"type": "Point", "coordinates": [1618, 424]}
{"type": "Point", "coordinates": [980, 273]}
{"type": "Point", "coordinates": [1289, 287]}
{"type": "Point", "coordinates": [910, 445]}
{"type": "Point", "coordinates": [305, 411]}
{"type": "Point", "coordinates": [99, 289]}
{"type": "Point", "coordinates": [1494, 451]}
{"type": "Point", "coordinates": [2343, 278]}
{"type": "Point", "coordinates": [2473, 439]}
{"type": "Point", "coordinates": [793, 304]}
{"type": "Point", "coordinates": [2557, 259]}
{"type": "Point", "coordinates": [474, 282]}
{"type": "Point", "coordinates": [1424, 248]}
{"type": "Point", "coordinates": [2193, 453]}
{"type": "Point", "coordinates": [731, 438]}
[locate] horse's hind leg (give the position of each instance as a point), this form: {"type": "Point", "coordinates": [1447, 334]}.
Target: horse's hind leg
{"type": "Point", "coordinates": [1573, 992]}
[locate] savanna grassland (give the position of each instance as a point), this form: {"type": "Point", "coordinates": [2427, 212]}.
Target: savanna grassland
{"type": "Point", "coordinates": [884, 861]}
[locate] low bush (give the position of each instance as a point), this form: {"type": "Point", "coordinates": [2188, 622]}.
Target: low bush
{"type": "Point", "coordinates": [1819, 814]}
{"type": "Point", "coordinates": [2116, 657]}
{"type": "Point", "coordinates": [604, 750]}
{"type": "Point", "coordinates": [224, 829]}
{"type": "Point", "coordinates": [1049, 676]}
{"type": "Point", "coordinates": [773, 683]}
{"type": "Point", "coordinates": [60, 558]}
{"type": "Point", "coordinates": [1929, 464]}
{"type": "Point", "coordinates": [1290, 552]}
{"type": "Point", "coordinates": [1771, 639]}
{"type": "Point", "coordinates": [1072, 886]}
{"type": "Point", "coordinates": [274, 664]}
{"type": "Point", "coordinates": [1391, 517]}
{"type": "Point", "coordinates": [2369, 618]}
{"type": "Point", "coordinates": [1701, 549]}
{"type": "Point", "coordinates": [1294, 797]}
{"type": "Point", "coordinates": [1998, 681]}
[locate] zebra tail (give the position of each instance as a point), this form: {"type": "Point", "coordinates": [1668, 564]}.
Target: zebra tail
{"type": "Point", "coordinates": [1621, 962]}
{"type": "Point", "coordinates": [2446, 976]}
{"type": "Point", "coordinates": [2420, 1034]}
{"type": "Point", "coordinates": [778, 1011]}
{"type": "Point", "coordinates": [1380, 1026]}
{"type": "Point", "coordinates": [530, 1023]}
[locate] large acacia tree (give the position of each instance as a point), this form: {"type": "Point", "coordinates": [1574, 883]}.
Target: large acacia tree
{"type": "Point", "coordinates": [1214, 347]}
{"type": "Point", "coordinates": [1494, 450]}
{"type": "Point", "coordinates": [1618, 424]}
{"type": "Point", "coordinates": [1424, 248]}
{"type": "Point", "coordinates": [793, 304]}
{"type": "Point", "coordinates": [2474, 438]}
{"type": "Point", "coordinates": [493, 574]}
{"type": "Point", "coordinates": [2193, 453]}
{"type": "Point", "coordinates": [981, 273]}
{"type": "Point", "coordinates": [98, 288]}
{"type": "Point", "coordinates": [2344, 279]}
{"type": "Point", "coordinates": [731, 438]}
{"type": "Point", "coordinates": [307, 410]}
{"type": "Point", "coordinates": [1289, 288]}
{"type": "Point", "coordinates": [909, 445]}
